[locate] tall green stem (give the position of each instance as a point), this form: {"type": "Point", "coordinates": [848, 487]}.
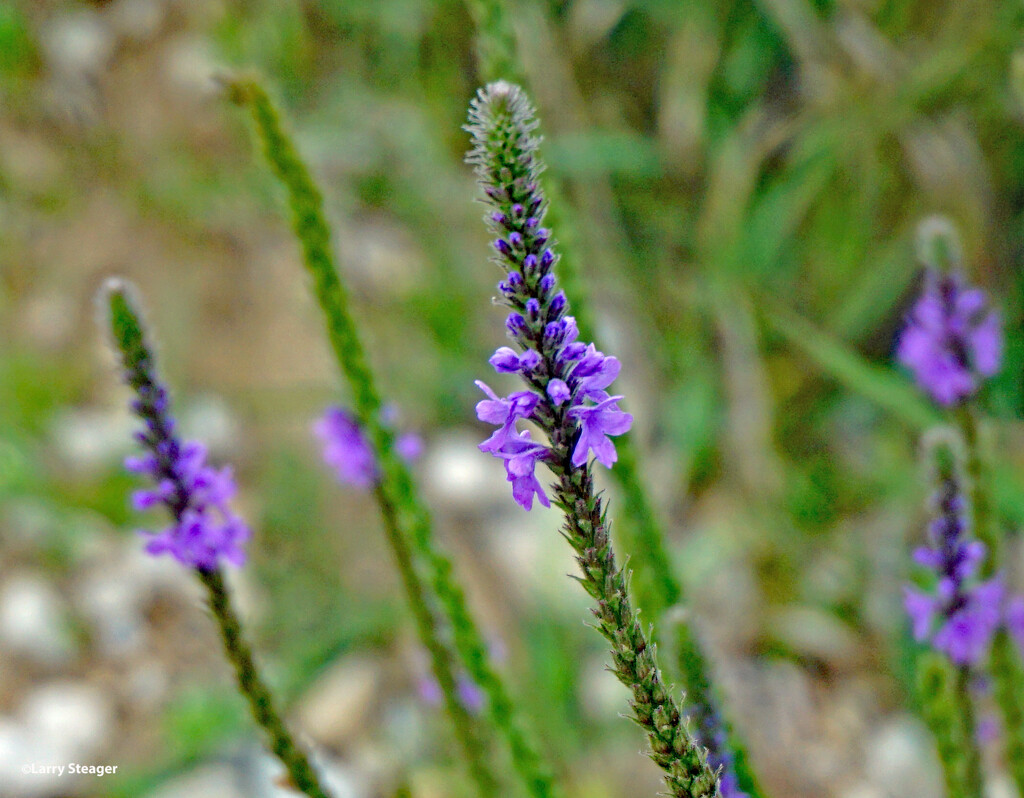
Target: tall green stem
{"type": "Point", "coordinates": [946, 702]}
{"type": "Point", "coordinates": [1005, 667]}
{"type": "Point", "coordinates": [261, 703]}
{"type": "Point", "coordinates": [396, 491]}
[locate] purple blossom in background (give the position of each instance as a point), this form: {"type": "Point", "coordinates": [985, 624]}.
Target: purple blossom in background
{"type": "Point", "coordinates": [952, 340]}
{"type": "Point", "coordinates": [347, 451]}
{"type": "Point", "coordinates": [711, 733]}
{"type": "Point", "coordinates": [204, 529]}
{"type": "Point", "coordinates": [198, 496]}
{"type": "Point", "coordinates": [959, 615]}
{"type": "Point", "coordinates": [468, 692]}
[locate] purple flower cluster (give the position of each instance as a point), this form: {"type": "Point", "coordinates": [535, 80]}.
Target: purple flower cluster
{"type": "Point", "coordinates": [961, 614]}
{"type": "Point", "coordinates": [566, 379]}
{"type": "Point", "coordinates": [952, 340]}
{"type": "Point", "coordinates": [204, 529]}
{"type": "Point", "coordinates": [348, 452]}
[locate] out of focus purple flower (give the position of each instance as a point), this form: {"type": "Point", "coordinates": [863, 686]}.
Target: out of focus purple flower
{"type": "Point", "coordinates": [204, 530]}
{"type": "Point", "coordinates": [466, 690]}
{"type": "Point", "coordinates": [959, 615]}
{"type": "Point", "coordinates": [347, 451]}
{"type": "Point", "coordinates": [952, 339]}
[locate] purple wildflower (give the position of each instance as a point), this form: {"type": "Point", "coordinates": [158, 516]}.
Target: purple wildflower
{"type": "Point", "coordinates": [576, 416]}
{"type": "Point", "coordinates": [567, 379]}
{"type": "Point", "coordinates": [348, 452]}
{"type": "Point", "coordinates": [346, 449]}
{"type": "Point", "coordinates": [959, 615]}
{"type": "Point", "coordinates": [597, 422]}
{"type": "Point", "coordinates": [505, 412]}
{"type": "Point", "coordinates": [952, 340]}
{"type": "Point", "coordinates": [204, 530]}
{"type": "Point", "coordinates": [711, 733]}
{"type": "Point", "coordinates": [521, 455]}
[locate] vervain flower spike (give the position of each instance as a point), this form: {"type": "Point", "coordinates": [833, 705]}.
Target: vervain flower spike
{"type": "Point", "coordinates": [566, 397]}
{"type": "Point", "coordinates": [952, 342]}
{"type": "Point", "coordinates": [204, 531]}
{"type": "Point", "coordinates": [959, 614]}
{"type": "Point", "coordinates": [656, 587]}
{"type": "Point", "coordinates": [436, 598]}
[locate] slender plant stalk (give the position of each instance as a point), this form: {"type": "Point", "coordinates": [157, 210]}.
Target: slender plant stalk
{"type": "Point", "coordinates": [440, 657]}
{"type": "Point", "coordinates": [566, 379]}
{"type": "Point", "coordinates": [979, 490]}
{"type": "Point", "coordinates": [495, 41]}
{"type": "Point", "coordinates": [641, 533]}
{"type": "Point", "coordinates": [396, 491]}
{"type": "Point", "coordinates": [687, 773]}
{"type": "Point", "coordinates": [251, 685]}
{"type": "Point", "coordinates": [166, 455]}
{"type": "Point", "coordinates": [1005, 666]}
{"type": "Point", "coordinates": [1007, 679]}
{"type": "Point", "coordinates": [945, 700]}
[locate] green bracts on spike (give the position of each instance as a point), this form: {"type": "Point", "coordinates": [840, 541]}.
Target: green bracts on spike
{"type": "Point", "coordinates": [946, 704]}
{"type": "Point", "coordinates": [406, 518]}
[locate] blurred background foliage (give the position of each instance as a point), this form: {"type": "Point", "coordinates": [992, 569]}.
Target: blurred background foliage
{"type": "Point", "coordinates": [742, 181]}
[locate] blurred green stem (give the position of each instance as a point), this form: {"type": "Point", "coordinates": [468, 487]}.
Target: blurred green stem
{"type": "Point", "coordinates": [300, 772]}
{"type": "Point", "coordinates": [946, 703]}
{"type": "Point", "coordinates": [979, 478]}
{"type": "Point", "coordinates": [1006, 671]}
{"type": "Point", "coordinates": [410, 525]}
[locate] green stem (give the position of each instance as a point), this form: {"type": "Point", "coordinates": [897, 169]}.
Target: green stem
{"type": "Point", "coordinates": [472, 746]}
{"type": "Point", "coordinates": [639, 529]}
{"type": "Point", "coordinates": [300, 772]}
{"type": "Point", "coordinates": [495, 41]}
{"type": "Point", "coordinates": [979, 490]}
{"type": "Point", "coordinates": [1005, 667]}
{"type": "Point", "coordinates": [396, 491]}
{"type": "Point", "coordinates": [1008, 689]}
{"type": "Point", "coordinates": [946, 704]}
{"type": "Point", "coordinates": [684, 762]}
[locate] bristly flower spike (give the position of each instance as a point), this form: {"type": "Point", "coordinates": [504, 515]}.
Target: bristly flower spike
{"type": "Point", "coordinates": [566, 397]}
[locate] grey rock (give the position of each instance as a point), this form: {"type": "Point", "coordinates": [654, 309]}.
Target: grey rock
{"type": "Point", "coordinates": [32, 620]}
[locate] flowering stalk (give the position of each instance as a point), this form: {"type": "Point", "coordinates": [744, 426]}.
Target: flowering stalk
{"type": "Point", "coordinates": [406, 518]}
{"type": "Point", "coordinates": [657, 587]}
{"type": "Point", "coordinates": [204, 530]}
{"type": "Point", "coordinates": [566, 397]}
{"type": "Point", "coordinates": [952, 343]}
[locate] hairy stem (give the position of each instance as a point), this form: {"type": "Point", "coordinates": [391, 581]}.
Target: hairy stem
{"type": "Point", "coordinates": [687, 773]}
